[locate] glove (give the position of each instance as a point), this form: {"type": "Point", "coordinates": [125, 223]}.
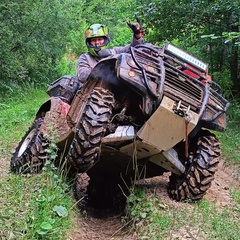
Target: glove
{"type": "Point", "coordinates": [104, 53]}
{"type": "Point", "coordinates": [136, 28]}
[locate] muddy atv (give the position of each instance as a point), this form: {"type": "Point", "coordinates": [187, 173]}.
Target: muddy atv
{"type": "Point", "coordinates": [138, 115]}
{"type": "Point", "coordinates": [49, 125]}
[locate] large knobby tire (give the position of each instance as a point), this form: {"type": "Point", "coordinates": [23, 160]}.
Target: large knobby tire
{"type": "Point", "coordinates": [200, 171]}
{"type": "Point", "coordinates": [30, 154]}
{"type": "Point", "coordinates": [90, 129]}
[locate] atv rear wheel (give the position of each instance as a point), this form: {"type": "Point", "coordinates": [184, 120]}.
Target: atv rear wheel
{"type": "Point", "coordinates": [90, 129]}
{"type": "Point", "coordinates": [100, 195]}
{"type": "Point", "coordinates": [30, 154]}
{"type": "Point", "coordinates": [200, 170]}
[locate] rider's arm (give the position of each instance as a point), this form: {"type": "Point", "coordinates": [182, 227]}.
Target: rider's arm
{"type": "Point", "coordinates": [85, 64]}
{"type": "Point", "coordinates": [138, 34]}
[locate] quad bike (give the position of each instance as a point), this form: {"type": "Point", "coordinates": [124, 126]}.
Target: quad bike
{"type": "Point", "coordinates": [138, 115]}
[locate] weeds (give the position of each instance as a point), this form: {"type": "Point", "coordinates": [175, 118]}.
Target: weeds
{"type": "Point", "coordinates": [16, 116]}
{"type": "Point", "coordinates": [146, 217]}
{"type": "Point", "coordinates": [50, 206]}
{"type": "Point", "coordinates": [231, 138]}
{"type": "Point", "coordinates": [37, 205]}
{"type": "Point", "coordinates": [49, 215]}
{"type": "Point", "coordinates": [32, 206]}
{"type": "Point", "coordinates": [149, 218]}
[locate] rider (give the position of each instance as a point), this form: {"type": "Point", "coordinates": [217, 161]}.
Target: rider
{"type": "Point", "coordinates": [97, 38]}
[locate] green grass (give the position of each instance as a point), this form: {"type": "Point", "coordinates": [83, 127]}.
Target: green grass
{"type": "Point", "coordinates": [144, 212]}
{"type": "Point", "coordinates": [31, 206]}
{"type": "Point", "coordinates": [17, 114]}
{"type": "Point", "coordinates": [151, 219]}
{"type": "Point", "coordinates": [230, 140]}
{"type": "Point", "coordinates": [35, 207]}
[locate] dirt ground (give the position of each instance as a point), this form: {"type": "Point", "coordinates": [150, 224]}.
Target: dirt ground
{"type": "Point", "coordinates": [112, 228]}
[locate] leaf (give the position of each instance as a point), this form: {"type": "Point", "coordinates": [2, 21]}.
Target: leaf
{"type": "Point", "coordinates": [51, 198]}
{"type": "Point", "coordinates": [41, 199]}
{"type": "Point", "coordinates": [215, 37]}
{"type": "Point", "coordinates": [207, 36]}
{"type": "Point", "coordinates": [143, 215]}
{"type": "Point", "coordinates": [61, 211]}
{"type": "Point", "coordinates": [51, 220]}
{"type": "Point", "coordinates": [46, 226]}
{"type": "Point", "coordinates": [228, 40]}
{"type": "Point", "coordinates": [41, 232]}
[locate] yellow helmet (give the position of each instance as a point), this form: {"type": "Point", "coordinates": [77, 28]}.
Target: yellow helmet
{"type": "Point", "coordinates": [97, 30]}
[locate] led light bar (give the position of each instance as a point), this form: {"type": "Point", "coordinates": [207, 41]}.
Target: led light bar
{"type": "Point", "coordinates": [187, 57]}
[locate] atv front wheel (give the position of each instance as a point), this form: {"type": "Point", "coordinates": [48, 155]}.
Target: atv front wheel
{"type": "Point", "coordinates": [90, 129]}
{"type": "Point", "coordinates": [30, 154]}
{"type": "Point", "coordinates": [200, 169]}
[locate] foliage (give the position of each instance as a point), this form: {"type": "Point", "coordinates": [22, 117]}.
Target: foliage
{"type": "Point", "coordinates": [227, 36]}
{"type": "Point", "coordinates": [113, 14]}
{"type": "Point", "coordinates": [34, 36]}
{"type": "Point", "coordinates": [32, 206]}
{"type": "Point", "coordinates": [17, 113]}
{"type": "Point", "coordinates": [187, 21]}
{"type": "Point", "coordinates": [230, 145]}
{"type": "Point", "coordinates": [145, 215]}
{"type": "Point", "coordinates": [35, 207]}
{"type": "Point", "coordinates": [153, 219]}
{"type": "Point", "coordinates": [67, 64]}
{"type": "Point", "coordinates": [50, 206]}
{"type": "Point", "coordinates": [42, 40]}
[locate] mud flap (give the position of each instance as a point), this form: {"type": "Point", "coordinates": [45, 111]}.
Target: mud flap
{"type": "Point", "coordinates": [55, 120]}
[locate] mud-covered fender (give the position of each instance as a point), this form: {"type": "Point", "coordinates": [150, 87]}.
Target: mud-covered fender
{"type": "Point", "coordinates": [103, 75]}
{"type": "Point", "coordinates": [106, 71]}
{"type": "Point", "coordinates": [54, 111]}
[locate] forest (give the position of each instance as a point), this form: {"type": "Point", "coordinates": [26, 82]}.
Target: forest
{"type": "Point", "coordinates": [41, 40]}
